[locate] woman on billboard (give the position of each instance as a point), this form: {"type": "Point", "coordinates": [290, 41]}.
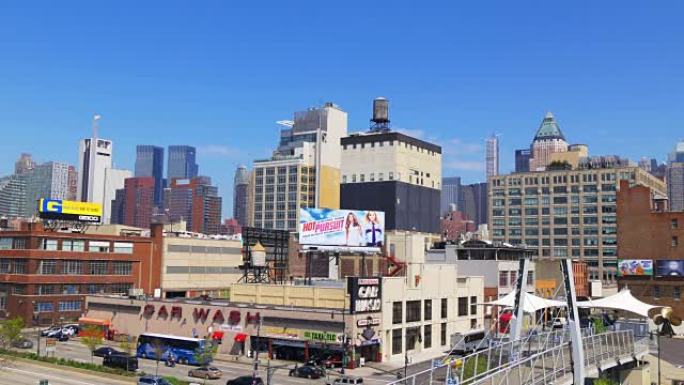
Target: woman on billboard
{"type": "Point", "coordinates": [373, 230]}
{"type": "Point", "coordinates": [352, 228]}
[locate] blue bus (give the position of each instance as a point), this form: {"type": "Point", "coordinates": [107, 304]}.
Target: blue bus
{"type": "Point", "coordinates": [182, 348]}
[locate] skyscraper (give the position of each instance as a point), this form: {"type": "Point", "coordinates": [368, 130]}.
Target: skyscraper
{"type": "Point", "coordinates": [149, 161]}
{"type": "Point", "coordinates": [46, 180]}
{"type": "Point", "coordinates": [675, 185]}
{"type": "Point", "coordinates": [549, 139]}
{"type": "Point", "coordinates": [304, 171]}
{"type": "Point", "coordinates": [451, 194]}
{"type": "Point", "coordinates": [492, 156]}
{"type": "Point", "coordinates": [23, 164]}
{"type": "Point", "coordinates": [94, 157]}
{"type": "Point", "coordinates": [114, 180]}
{"type": "Point", "coordinates": [197, 202]}
{"type": "Point", "coordinates": [522, 160]}
{"type": "Point", "coordinates": [13, 196]}
{"type": "Point", "coordinates": [182, 163]}
{"type": "Point", "coordinates": [118, 207]}
{"type": "Point", "coordinates": [138, 201]}
{"type": "Point", "coordinates": [240, 193]}
{"type": "Point", "coordinates": [475, 202]}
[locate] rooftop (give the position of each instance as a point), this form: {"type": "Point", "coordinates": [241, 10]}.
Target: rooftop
{"type": "Point", "coordinates": [549, 129]}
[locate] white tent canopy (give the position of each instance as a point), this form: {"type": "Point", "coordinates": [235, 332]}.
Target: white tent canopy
{"type": "Point", "coordinates": [624, 300]}
{"type": "Point", "coordinates": [531, 302]}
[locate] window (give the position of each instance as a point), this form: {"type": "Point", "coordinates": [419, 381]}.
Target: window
{"type": "Point", "coordinates": [503, 279]}
{"type": "Point", "coordinates": [48, 244]}
{"type": "Point", "coordinates": [70, 289]}
{"type": "Point", "coordinates": [674, 224]}
{"type": "Point", "coordinates": [391, 175]}
{"type": "Point", "coordinates": [427, 336]}
{"type": "Point", "coordinates": [70, 306]}
{"type": "Point", "coordinates": [396, 341]}
{"type": "Point", "coordinates": [5, 266]}
{"type": "Point", "coordinates": [397, 310]}
{"type": "Point", "coordinates": [19, 266]}
{"type": "Point", "coordinates": [427, 310]}
{"type": "Point", "coordinates": [72, 267]}
{"type": "Point", "coordinates": [530, 278]}
{"type": "Point", "coordinates": [47, 267]}
{"type": "Point", "coordinates": [42, 307]}
{"type": "Point", "coordinates": [5, 243]}
{"type": "Point", "coordinates": [73, 245]}
{"type": "Point", "coordinates": [96, 288]}
{"type": "Point", "coordinates": [98, 268]}
{"type": "Point", "coordinates": [514, 276]}
{"type": "Point", "coordinates": [3, 300]}
{"type": "Point", "coordinates": [656, 292]}
{"type": "Point", "coordinates": [412, 311]}
{"type": "Point", "coordinates": [120, 288]}
{"type": "Point", "coordinates": [444, 308]}
{"type": "Point", "coordinates": [411, 336]}
{"type": "Point", "coordinates": [462, 306]}
{"type": "Point", "coordinates": [125, 247]}
{"type": "Point", "coordinates": [344, 179]}
{"type": "Point", "coordinates": [122, 267]}
{"type": "Point", "coordinates": [675, 241]}
{"type": "Point", "coordinates": [98, 246]}
{"type": "Point", "coordinates": [473, 305]}
{"type": "Point", "coordinates": [442, 334]}
{"type": "Point", "coordinates": [48, 289]}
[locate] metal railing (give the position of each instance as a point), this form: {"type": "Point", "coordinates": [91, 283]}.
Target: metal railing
{"type": "Point", "coordinates": [537, 359]}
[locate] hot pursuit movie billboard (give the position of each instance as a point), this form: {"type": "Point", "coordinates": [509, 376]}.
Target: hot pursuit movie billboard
{"type": "Point", "coordinates": [327, 227]}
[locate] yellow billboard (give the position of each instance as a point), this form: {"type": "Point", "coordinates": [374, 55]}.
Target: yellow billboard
{"type": "Point", "coordinates": [69, 210]}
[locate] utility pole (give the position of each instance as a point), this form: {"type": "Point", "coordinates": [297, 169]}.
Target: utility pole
{"type": "Point", "coordinates": [255, 374]}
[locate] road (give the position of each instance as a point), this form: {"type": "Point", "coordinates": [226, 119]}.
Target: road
{"type": "Point", "coordinates": [21, 373]}
{"type": "Point", "coordinates": [73, 349]}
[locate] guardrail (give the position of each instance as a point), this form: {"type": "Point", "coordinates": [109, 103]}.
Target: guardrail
{"type": "Point", "coordinates": [538, 359]}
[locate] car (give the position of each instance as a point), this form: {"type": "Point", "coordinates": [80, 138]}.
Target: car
{"type": "Point", "coordinates": [61, 337]}
{"type": "Point", "coordinates": [245, 380]}
{"type": "Point", "coordinates": [70, 330]}
{"type": "Point", "coordinates": [208, 372]}
{"type": "Point", "coordinates": [332, 361]}
{"type": "Point", "coordinates": [121, 361]}
{"type": "Point", "coordinates": [105, 351]}
{"type": "Point", "coordinates": [22, 343]}
{"type": "Point", "coordinates": [51, 331]}
{"type": "Point", "coordinates": [152, 380]}
{"type": "Point", "coordinates": [345, 380]}
{"type": "Point", "coordinates": [310, 372]}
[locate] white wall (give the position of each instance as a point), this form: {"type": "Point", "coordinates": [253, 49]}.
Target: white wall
{"type": "Point", "coordinates": [113, 180]}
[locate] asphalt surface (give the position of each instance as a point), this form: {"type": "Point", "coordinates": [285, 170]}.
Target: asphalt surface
{"type": "Point", "coordinates": [21, 373]}
{"type": "Point", "coordinates": [672, 350]}
{"type": "Point", "coordinates": [73, 349]}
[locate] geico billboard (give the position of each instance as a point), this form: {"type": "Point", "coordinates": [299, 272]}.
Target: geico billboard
{"type": "Point", "coordinates": [69, 210]}
{"type": "Point", "coordinates": [341, 227]}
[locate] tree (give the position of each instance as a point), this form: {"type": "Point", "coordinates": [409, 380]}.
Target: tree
{"type": "Point", "coordinates": [159, 349]}
{"type": "Point", "coordinates": [92, 337]}
{"type": "Point", "coordinates": [126, 345]}
{"type": "Point", "coordinates": [205, 355]}
{"type": "Point", "coordinates": [10, 331]}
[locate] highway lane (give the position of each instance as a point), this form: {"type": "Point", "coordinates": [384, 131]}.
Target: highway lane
{"type": "Point", "coordinates": [22, 373]}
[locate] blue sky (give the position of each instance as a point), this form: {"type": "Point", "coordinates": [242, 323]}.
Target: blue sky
{"type": "Point", "coordinates": [218, 74]}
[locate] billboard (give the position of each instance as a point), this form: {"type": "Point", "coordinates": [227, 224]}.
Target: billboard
{"type": "Point", "coordinates": [632, 267]}
{"type": "Point", "coordinates": [365, 295]}
{"type": "Point", "coordinates": [341, 227]}
{"type": "Point", "coordinates": [669, 268]}
{"type": "Point", "coordinates": [69, 210]}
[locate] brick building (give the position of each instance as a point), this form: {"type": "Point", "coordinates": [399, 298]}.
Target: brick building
{"type": "Point", "coordinates": [454, 224]}
{"type": "Point", "coordinates": [45, 275]}
{"type": "Point", "coordinates": [647, 231]}
{"type": "Point", "coordinates": [197, 202]}
{"type": "Point", "coordinates": [139, 193]}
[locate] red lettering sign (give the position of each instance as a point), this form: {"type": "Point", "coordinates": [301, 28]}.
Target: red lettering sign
{"type": "Point", "coordinates": [162, 311]}
{"type": "Point", "coordinates": [148, 310]}
{"type": "Point", "coordinates": [234, 317]}
{"type": "Point", "coordinates": [252, 319]}
{"type": "Point", "coordinates": [200, 314]}
{"type": "Point", "coordinates": [176, 311]}
{"type": "Point", "coordinates": [218, 317]}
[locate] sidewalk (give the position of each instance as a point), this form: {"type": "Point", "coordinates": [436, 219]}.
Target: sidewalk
{"type": "Point", "coordinates": [669, 372]}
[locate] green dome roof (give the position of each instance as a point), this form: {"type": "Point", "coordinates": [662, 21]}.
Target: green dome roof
{"type": "Point", "coordinates": [549, 129]}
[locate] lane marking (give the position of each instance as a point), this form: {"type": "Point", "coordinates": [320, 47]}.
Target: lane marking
{"type": "Point", "coordinates": [52, 376]}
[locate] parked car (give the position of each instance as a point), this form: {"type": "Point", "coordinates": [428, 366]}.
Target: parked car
{"type": "Point", "coordinates": [51, 331]}
{"type": "Point", "coordinates": [208, 372]}
{"type": "Point", "coordinates": [105, 351]}
{"type": "Point", "coordinates": [345, 380]}
{"type": "Point", "coordinates": [310, 372]}
{"type": "Point", "coordinates": [23, 343]}
{"type": "Point", "coordinates": [245, 380]}
{"type": "Point", "coordinates": [152, 380]}
{"type": "Point", "coordinates": [61, 336]}
{"type": "Point", "coordinates": [121, 361]}
{"type": "Point", "coordinates": [332, 361]}
{"type": "Point", "coordinates": [70, 329]}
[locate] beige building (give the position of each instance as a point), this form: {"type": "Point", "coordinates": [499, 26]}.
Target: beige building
{"type": "Point", "coordinates": [566, 213]}
{"type": "Point", "coordinates": [304, 171]}
{"type": "Point", "coordinates": [547, 141]}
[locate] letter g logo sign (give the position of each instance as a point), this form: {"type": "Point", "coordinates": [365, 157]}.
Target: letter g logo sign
{"type": "Point", "coordinates": [52, 206]}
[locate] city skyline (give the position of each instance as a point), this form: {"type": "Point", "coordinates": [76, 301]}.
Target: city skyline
{"type": "Point", "coordinates": [222, 110]}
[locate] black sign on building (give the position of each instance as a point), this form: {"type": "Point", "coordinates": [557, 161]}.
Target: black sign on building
{"type": "Point", "coordinates": [365, 294]}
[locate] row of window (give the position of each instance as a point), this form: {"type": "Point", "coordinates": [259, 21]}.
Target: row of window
{"type": "Point", "coordinates": [413, 310]}
{"type": "Point", "coordinates": [575, 210]}
{"type": "Point", "coordinates": [78, 245]}
{"type": "Point", "coordinates": [411, 334]}
{"type": "Point", "coordinates": [562, 251]}
{"type": "Point", "coordinates": [282, 197]}
{"type": "Point", "coordinates": [510, 278]}
{"type": "Point", "coordinates": [387, 143]}
{"type": "Point", "coordinates": [278, 224]}
{"type": "Point", "coordinates": [565, 179]}
{"type": "Point", "coordinates": [77, 267]}
{"type": "Point", "coordinates": [45, 307]}
{"type": "Point", "coordinates": [545, 201]}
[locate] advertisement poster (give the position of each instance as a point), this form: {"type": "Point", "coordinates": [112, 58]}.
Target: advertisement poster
{"type": "Point", "coordinates": [365, 295]}
{"type": "Point", "coordinates": [357, 228]}
{"type": "Point", "coordinates": [673, 268]}
{"type": "Point", "coordinates": [629, 267]}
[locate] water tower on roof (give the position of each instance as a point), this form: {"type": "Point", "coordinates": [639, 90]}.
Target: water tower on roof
{"type": "Point", "coordinates": [380, 121]}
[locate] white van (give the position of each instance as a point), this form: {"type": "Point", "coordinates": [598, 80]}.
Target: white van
{"type": "Point", "coordinates": [469, 341]}
{"type": "Point", "coordinates": [345, 380]}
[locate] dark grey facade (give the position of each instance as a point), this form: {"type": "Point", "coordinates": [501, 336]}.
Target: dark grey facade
{"type": "Point", "coordinates": [475, 202]}
{"type": "Point", "coordinates": [406, 206]}
{"type": "Point", "coordinates": [522, 160]}
{"type": "Point", "coordinates": [451, 194]}
{"type": "Point", "coordinates": [149, 161]}
{"type": "Point", "coordinates": [182, 163]}
{"type": "Point", "coordinates": [240, 195]}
